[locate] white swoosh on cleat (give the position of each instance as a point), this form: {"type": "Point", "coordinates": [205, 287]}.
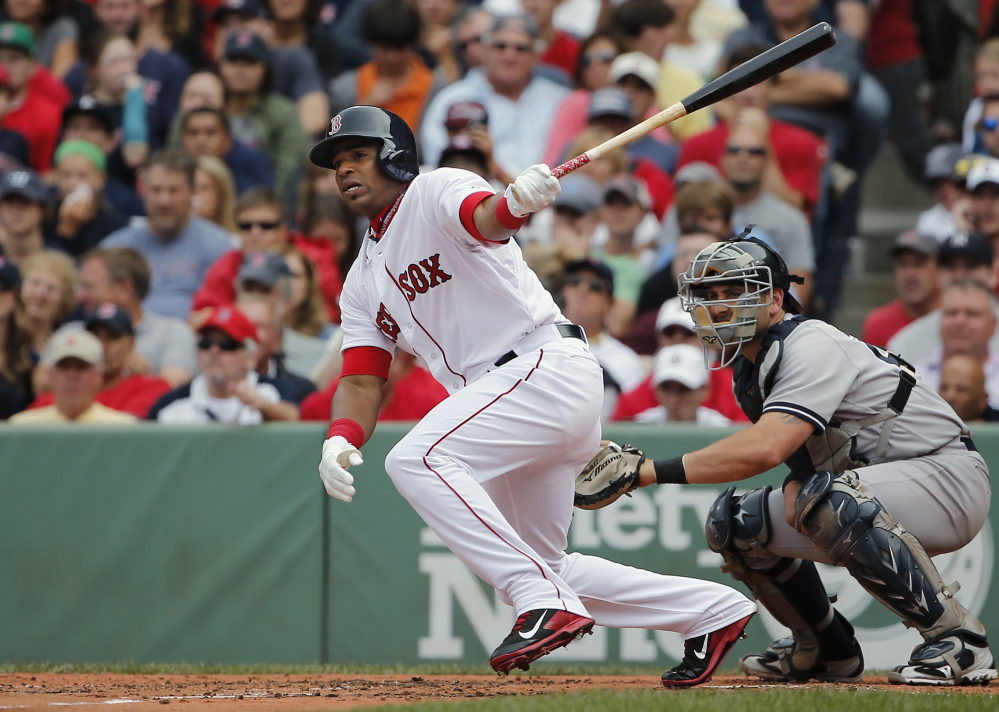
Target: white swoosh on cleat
{"type": "Point", "coordinates": [535, 629]}
{"type": "Point", "coordinates": [703, 652]}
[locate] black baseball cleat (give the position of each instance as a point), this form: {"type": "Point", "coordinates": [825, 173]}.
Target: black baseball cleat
{"type": "Point", "coordinates": [958, 657]}
{"type": "Point", "coordinates": [537, 633]}
{"type": "Point", "coordinates": [702, 655]}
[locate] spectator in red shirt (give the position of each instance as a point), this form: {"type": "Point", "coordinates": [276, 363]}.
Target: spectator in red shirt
{"type": "Point", "coordinates": [411, 392]}
{"type": "Point", "coordinates": [262, 228]}
{"type": "Point", "coordinates": [795, 176]}
{"type": "Point", "coordinates": [127, 392]}
{"type": "Point", "coordinates": [560, 48]}
{"type": "Point", "coordinates": [32, 113]}
{"type": "Point", "coordinates": [914, 263]}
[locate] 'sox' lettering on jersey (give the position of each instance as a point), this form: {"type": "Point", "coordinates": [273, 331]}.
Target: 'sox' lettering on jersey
{"type": "Point", "coordinates": [418, 278]}
{"type": "Point", "coordinates": [385, 322]}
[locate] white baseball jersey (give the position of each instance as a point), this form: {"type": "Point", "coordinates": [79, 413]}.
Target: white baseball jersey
{"type": "Point", "coordinates": [491, 469]}
{"type": "Point", "coordinates": [428, 286]}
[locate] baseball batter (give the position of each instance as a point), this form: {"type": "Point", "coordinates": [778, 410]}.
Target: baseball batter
{"type": "Point", "coordinates": [884, 475]}
{"type": "Point", "coordinates": [490, 469]}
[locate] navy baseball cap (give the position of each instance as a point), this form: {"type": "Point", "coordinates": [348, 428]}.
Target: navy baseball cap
{"type": "Point", "coordinates": [941, 161]}
{"type": "Point", "coordinates": [89, 106]}
{"type": "Point", "coordinates": [610, 102]}
{"type": "Point", "coordinates": [594, 265]}
{"type": "Point", "coordinates": [247, 46]}
{"type": "Point", "coordinates": [112, 316]}
{"type": "Point", "coordinates": [629, 188]}
{"type": "Point", "coordinates": [10, 275]}
{"type": "Point", "coordinates": [916, 242]}
{"type": "Point", "coordinates": [265, 268]}
{"type": "Point", "coordinates": [579, 193]}
{"type": "Point", "coordinates": [970, 244]}
{"type": "Point", "coordinates": [23, 182]}
{"type": "Point", "coordinates": [462, 144]}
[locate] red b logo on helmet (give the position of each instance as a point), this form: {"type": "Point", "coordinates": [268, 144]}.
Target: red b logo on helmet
{"type": "Point", "coordinates": [335, 124]}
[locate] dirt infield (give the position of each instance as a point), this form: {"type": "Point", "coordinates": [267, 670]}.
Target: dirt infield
{"type": "Point", "coordinates": [283, 693]}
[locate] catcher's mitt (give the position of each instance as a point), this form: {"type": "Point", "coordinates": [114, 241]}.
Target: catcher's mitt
{"type": "Point", "coordinates": [612, 472]}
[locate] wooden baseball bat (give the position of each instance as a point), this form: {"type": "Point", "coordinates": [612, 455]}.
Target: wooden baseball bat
{"type": "Point", "coordinates": [772, 62]}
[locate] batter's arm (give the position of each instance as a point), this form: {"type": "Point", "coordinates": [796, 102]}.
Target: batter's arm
{"type": "Point", "coordinates": [358, 397]}
{"type": "Point", "coordinates": [488, 223]}
{"type": "Point", "coordinates": [744, 454]}
{"type": "Point", "coordinates": [499, 216]}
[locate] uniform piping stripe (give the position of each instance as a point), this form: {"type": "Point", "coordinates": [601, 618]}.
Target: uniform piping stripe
{"type": "Point", "coordinates": [462, 499]}
{"type": "Point", "coordinates": [799, 411]}
{"type": "Point", "coordinates": [410, 307]}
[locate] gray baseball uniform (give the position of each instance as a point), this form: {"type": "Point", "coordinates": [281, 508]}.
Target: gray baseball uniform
{"type": "Point", "coordinates": [932, 482]}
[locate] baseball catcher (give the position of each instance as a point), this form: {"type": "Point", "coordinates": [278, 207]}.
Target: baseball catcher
{"type": "Point", "coordinates": [883, 476]}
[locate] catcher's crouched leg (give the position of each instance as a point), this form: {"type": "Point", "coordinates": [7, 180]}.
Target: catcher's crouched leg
{"type": "Point", "coordinates": [822, 645]}
{"type": "Point", "coordinates": [852, 527]}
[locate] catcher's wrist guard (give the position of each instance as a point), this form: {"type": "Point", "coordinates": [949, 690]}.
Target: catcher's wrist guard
{"type": "Point", "coordinates": [670, 472]}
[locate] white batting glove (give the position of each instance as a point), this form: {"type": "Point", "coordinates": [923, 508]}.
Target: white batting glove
{"type": "Point", "coordinates": [338, 455]}
{"type": "Point", "coordinates": [534, 189]}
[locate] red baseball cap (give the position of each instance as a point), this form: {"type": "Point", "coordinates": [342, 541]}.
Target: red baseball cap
{"type": "Point", "coordinates": [231, 321]}
{"type": "Point", "coordinates": [465, 113]}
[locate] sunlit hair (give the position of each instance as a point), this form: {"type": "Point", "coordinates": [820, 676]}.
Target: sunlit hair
{"type": "Point", "coordinates": [309, 317]}
{"type": "Point", "coordinates": [61, 267]}
{"type": "Point", "coordinates": [221, 176]}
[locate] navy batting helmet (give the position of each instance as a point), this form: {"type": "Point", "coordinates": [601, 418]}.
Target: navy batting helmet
{"type": "Point", "coordinates": [397, 156]}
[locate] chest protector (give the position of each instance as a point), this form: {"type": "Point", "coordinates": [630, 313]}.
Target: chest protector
{"type": "Point", "coordinates": [835, 448]}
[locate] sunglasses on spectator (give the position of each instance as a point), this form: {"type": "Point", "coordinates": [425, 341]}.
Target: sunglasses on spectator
{"type": "Point", "coordinates": [990, 123]}
{"type": "Point", "coordinates": [521, 48]}
{"type": "Point", "coordinates": [226, 343]}
{"type": "Point", "coordinates": [751, 150]}
{"type": "Point", "coordinates": [464, 44]}
{"type": "Point", "coordinates": [607, 56]}
{"type": "Point", "coordinates": [595, 284]}
{"type": "Point", "coordinates": [246, 226]}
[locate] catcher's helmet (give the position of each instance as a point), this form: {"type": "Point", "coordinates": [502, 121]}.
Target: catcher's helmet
{"type": "Point", "coordinates": [397, 156]}
{"type": "Point", "coordinates": [748, 263]}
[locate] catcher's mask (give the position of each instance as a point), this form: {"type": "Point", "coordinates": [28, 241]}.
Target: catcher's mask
{"type": "Point", "coordinates": [724, 322]}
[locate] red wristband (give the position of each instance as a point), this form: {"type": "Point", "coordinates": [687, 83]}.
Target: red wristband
{"type": "Point", "coordinates": [349, 429]}
{"type": "Point", "coordinates": [506, 218]}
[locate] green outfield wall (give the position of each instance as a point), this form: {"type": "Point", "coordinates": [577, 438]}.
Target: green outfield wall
{"type": "Point", "coordinates": [218, 545]}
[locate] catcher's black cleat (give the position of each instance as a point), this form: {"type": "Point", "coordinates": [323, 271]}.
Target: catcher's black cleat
{"type": "Point", "coordinates": [702, 655]}
{"type": "Point", "coordinates": [958, 657]}
{"type": "Point", "coordinates": [537, 633]}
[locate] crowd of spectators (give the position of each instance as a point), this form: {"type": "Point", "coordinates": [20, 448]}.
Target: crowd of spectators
{"type": "Point", "coordinates": [168, 253]}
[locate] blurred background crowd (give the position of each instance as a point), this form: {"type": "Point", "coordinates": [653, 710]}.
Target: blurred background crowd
{"type": "Point", "coordinates": [168, 253]}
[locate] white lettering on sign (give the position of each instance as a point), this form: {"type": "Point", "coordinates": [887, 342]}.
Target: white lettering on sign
{"type": "Point", "coordinates": [634, 522]}
{"type": "Point", "coordinates": [452, 582]}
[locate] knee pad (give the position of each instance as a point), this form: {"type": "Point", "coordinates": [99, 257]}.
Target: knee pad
{"type": "Point", "coordinates": [738, 528]}
{"type": "Point", "coordinates": [837, 512]}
